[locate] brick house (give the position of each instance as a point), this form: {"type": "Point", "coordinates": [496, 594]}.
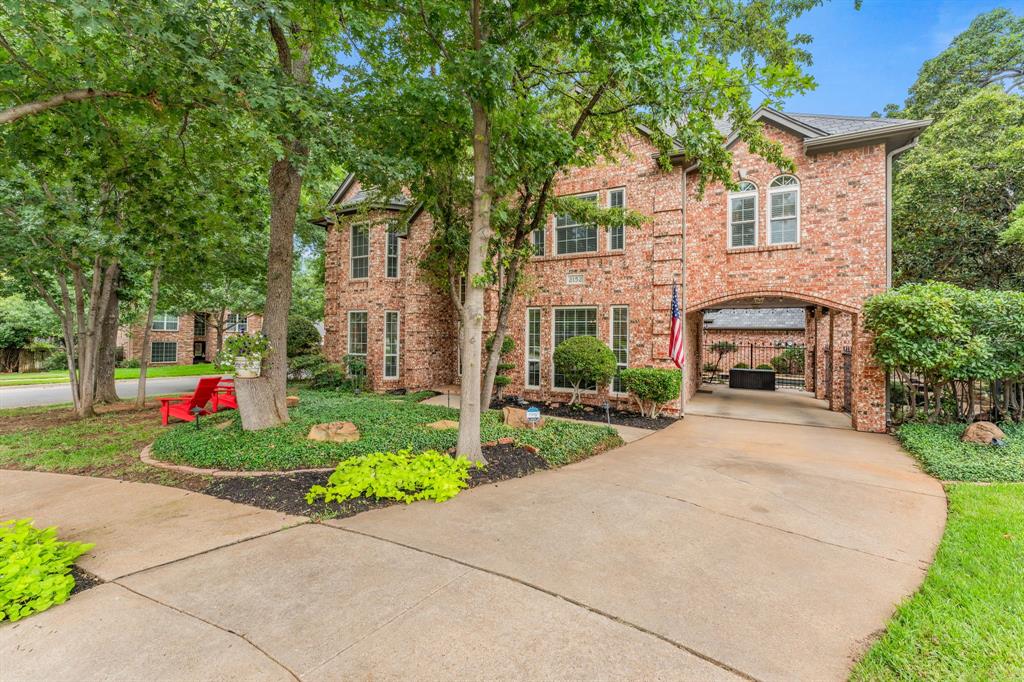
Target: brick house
{"type": "Point", "coordinates": [183, 339]}
{"type": "Point", "coordinates": [817, 239]}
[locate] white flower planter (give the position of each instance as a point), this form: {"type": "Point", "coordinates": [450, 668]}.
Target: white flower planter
{"type": "Point", "coordinates": [247, 368]}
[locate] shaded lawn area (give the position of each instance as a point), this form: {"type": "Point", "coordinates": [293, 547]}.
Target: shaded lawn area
{"type": "Point", "coordinates": [938, 448]}
{"type": "Point", "coordinates": [967, 620]}
{"type": "Point", "coordinates": [386, 423]}
{"type": "Point", "coordinates": [53, 439]}
{"type": "Point", "coordinates": [61, 377]}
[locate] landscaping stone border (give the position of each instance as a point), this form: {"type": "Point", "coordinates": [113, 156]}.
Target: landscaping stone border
{"type": "Point", "coordinates": [147, 458]}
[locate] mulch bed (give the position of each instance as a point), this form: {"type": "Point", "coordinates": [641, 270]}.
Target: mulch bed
{"type": "Point", "coordinates": [287, 493]}
{"type": "Point", "coordinates": [83, 580]}
{"type": "Point", "coordinates": [591, 413]}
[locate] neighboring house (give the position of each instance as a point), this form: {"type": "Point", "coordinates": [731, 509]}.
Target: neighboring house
{"type": "Point", "coordinates": [183, 339]}
{"type": "Point", "coordinates": [817, 239]}
{"type": "Point", "coordinates": [779, 327]}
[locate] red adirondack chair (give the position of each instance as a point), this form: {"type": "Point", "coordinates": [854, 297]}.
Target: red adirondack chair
{"type": "Point", "coordinates": [181, 406]}
{"type": "Point", "coordinates": [224, 397]}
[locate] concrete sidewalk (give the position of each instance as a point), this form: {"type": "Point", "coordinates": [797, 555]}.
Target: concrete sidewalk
{"type": "Point", "coordinates": [713, 549]}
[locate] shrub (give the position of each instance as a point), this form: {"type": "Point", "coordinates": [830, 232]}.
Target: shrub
{"type": "Point", "coordinates": [129, 363]}
{"type": "Point", "coordinates": [303, 337]}
{"type": "Point", "coordinates": [651, 387]}
{"type": "Point", "coordinates": [329, 376]}
{"type": "Point", "coordinates": [355, 366]}
{"type": "Point", "coordinates": [584, 360]}
{"type": "Point", "coordinates": [35, 568]}
{"type": "Point", "coordinates": [305, 366]}
{"type": "Point", "coordinates": [58, 360]}
{"type": "Point", "coordinates": [789, 361]}
{"type": "Point", "coordinates": [402, 476]}
{"type": "Point", "coordinates": [765, 365]}
{"type": "Point", "coordinates": [741, 365]}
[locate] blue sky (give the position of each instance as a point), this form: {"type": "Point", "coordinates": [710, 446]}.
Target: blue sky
{"type": "Point", "coordinates": [865, 58]}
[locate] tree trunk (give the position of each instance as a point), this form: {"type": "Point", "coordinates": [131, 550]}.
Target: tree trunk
{"type": "Point", "coordinates": [262, 404]}
{"type": "Point", "coordinates": [140, 397]}
{"type": "Point", "coordinates": [221, 315]}
{"type": "Point", "coordinates": [106, 362]}
{"type": "Point", "coordinates": [473, 307]}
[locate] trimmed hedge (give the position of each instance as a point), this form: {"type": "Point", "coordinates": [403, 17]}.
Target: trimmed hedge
{"type": "Point", "coordinates": [651, 387]}
{"type": "Point", "coordinates": [584, 360]}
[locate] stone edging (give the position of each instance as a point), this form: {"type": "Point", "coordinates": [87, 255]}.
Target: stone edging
{"type": "Point", "coordinates": [147, 458]}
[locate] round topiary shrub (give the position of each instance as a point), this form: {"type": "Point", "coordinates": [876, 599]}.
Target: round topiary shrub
{"type": "Point", "coordinates": [651, 387]}
{"type": "Point", "coordinates": [764, 365]}
{"type": "Point", "coordinates": [303, 337]}
{"type": "Point", "coordinates": [741, 365]}
{"type": "Point", "coordinates": [584, 360]}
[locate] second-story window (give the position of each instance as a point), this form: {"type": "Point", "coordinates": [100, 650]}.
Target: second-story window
{"type": "Point", "coordinates": [360, 252]}
{"type": "Point", "coordinates": [538, 238]}
{"type": "Point", "coordinates": [743, 215]}
{"type": "Point", "coordinates": [784, 210]}
{"type": "Point", "coordinates": [394, 246]}
{"type": "Point", "coordinates": [573, 237]}
{"type": "Point", "coordinates": [239, 324]}
{"type": "Point", "coordinates": [199, 325]}
{"type": "Point", "coordinates": [165, 322]}
{"type": "Point", "coordinates": [617, 234]}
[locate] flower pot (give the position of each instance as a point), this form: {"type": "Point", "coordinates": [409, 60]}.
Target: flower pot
{"type": "Point", "coordinates": [247, 368]}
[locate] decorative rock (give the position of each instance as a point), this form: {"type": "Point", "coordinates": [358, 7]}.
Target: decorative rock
{"type": "Point", "coordinates": [531, 448]}
{"type": "Point", "coordinates": [443, 425]}
{"type": "Point", "coordinates": [507, 440]}
{"type": "Point", "coordinates": [334, 432]}
{"type": "Point", "coordinates": [983, 433]}
{"type": "Point", "coordinates": [489, 444]}
{"type": "Point", "coordinates": [292, 400]}
{"type": "Point", "coordinates": [516, 418]}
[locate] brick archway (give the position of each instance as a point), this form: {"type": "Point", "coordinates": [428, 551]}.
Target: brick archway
{"type": "Point", "coordinates": [802, 297]}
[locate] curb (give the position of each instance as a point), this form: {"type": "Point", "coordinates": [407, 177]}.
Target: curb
{"type": "Point", "coordinates": [147, 458]}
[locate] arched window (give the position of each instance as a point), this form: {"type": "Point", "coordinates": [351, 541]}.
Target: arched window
{"type": "Point", "coordinates": [784, 210]}
{"type": "Point", "coordinates": [743, 215]}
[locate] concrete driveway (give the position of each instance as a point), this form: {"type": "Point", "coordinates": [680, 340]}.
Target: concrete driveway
{"type": "Point", "coordinates": [56, 394]}
{"type": "Point", "coordinates": [715, 549]}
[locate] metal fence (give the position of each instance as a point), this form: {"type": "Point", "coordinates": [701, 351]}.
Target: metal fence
{"type": "Point", "coordinates": [912, 396]}
{"type": "Point", "coordinates": [788, 361]}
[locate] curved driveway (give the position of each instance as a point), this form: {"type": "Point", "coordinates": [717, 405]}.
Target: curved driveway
{"type": "Point", "coordinates": [714, 549]}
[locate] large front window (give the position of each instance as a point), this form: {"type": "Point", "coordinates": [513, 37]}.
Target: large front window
{"type": "Point", "coordinates": [199, 325]}
{"type": "Point", "coordinates": [236, 323]}
{"type": "Point", "coordinates": [360, 252]}
{"type": "Point", "coordinates": [533, 347]}
{"type": "Point", "coordinates": [357, 333]}
{"type": "Point", "coordinates": [620, 344]}
{"type": "Point", "coordinates": [570, 322]}
{"type": "Point", "coordinates": [784, 207]}
{"type": "Point", "coordinates": [391, 344]}
{"type": "Point", "coordinates": [165, 322]}
{"type": "Point", "coordinates": [164, 351]}
{"type": "Point", "coordinates": [743, 216]}
{"type": "Point", "coordinates": [573, 237]}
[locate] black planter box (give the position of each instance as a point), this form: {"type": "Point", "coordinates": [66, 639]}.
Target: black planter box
{"type": "Point", "coordinates": [756, 379]}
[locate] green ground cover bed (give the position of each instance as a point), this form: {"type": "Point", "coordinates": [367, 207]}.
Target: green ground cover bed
{"type": "Point", "coordinates": [967, 620]}
{"type": "Point", "coordinates": [61, 377]}
{"type": "Point", "coordinates": [940, 451]}
{"type": "Point", "coordinates": [386, 423]}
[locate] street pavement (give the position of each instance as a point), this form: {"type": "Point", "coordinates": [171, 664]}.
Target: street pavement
{"type": "Point", "coordinates": [55, 394]}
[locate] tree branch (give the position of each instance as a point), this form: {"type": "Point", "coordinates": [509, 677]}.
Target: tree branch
{"type": "Point", "coordinates": [14, 113]}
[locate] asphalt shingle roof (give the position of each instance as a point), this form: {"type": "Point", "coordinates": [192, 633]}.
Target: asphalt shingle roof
{"type": "Point", "coordinates": [755, 318]}
{"type": "Point", "coordinates": [841, 125]}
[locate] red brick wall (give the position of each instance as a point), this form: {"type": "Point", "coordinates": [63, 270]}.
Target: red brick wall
{"type": "Point", "coordinates": [129, 338]}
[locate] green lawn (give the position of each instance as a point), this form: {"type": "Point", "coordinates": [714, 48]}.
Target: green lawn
{"type": "Point", "coordinates": [967, 620]}
{"type": "Point", "coordinates": [940, 451]}
{"type": "Point", "coordinates": [61, 377]}
{"type": "Point", "coordinates": [386, 423]}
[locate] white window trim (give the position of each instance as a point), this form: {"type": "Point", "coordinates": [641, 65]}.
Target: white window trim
{"type": "Point", "coordinates": [163, 362]}
{"type": "Point", "coordinates": [728, 217]}
{"type": "Point", "coordinates": [398, 254]}
{"type": "Point", "coordinates": [351, 250]}
{"type": "Point", "coordinates": [768, 210]}
{"type": "Point", "coordinates": [233, 327]}
{"type": "Point", "coordinates": [526, 349]}
{"type": "Point", "coordinates": [398, 346]}
{"type": "Point", "coordinates": [163, 318]}
{"type": "Point", "coordinates": [554, 227]}
{"type": "Point", "coordinates": [348, 333]}
{"type": "Point", "coordinates": [597, 334]}
{"type": "Point", "coordinates": [611, 343]}
{"type": "Point", "coordinates": [543, 232]}
{"type": "Point", "coordinates": [608, 243]}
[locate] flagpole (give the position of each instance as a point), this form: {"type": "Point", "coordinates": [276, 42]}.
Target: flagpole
{"type": "Point", "coordinates": [682, 370]}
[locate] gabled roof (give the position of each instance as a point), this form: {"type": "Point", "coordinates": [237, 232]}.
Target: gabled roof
{"type": "Point", "coordinates": [350, 205]}
{"type": "Point", "coordinates": [787, 319]}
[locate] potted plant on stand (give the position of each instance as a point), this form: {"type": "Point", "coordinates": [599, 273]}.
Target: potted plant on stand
{"type": "Point", "coordinates": [245, 352]}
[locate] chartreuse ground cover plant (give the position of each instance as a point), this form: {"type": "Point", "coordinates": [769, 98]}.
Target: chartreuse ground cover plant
{"type": "Point", "coordinates": [35, 568]}
{"type": "Point", "coordinates": [967, 620]}
{"type": "Point", "coordinates": [385, 423]}
{"type": "Point", "coordinates": [403, 476]}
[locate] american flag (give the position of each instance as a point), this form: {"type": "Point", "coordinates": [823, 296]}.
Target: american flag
{"type": "Point", "coordinates": [675, 344]}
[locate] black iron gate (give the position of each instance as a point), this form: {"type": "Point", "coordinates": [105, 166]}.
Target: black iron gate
{"type": "Point", "coordinates": [789, 362]}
